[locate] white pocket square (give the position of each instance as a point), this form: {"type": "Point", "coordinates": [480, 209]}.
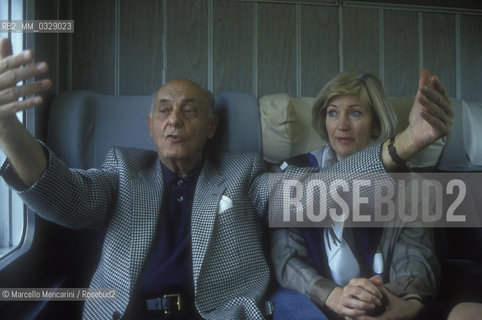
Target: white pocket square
{"type": "Point", "coordinates": [224, 204]}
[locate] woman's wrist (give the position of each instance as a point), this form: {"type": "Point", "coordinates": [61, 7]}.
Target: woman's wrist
{"type": "Point", "coordinates": [321, 290]}
{"type": "Point", "coordinates": [414, 297]}
{"type": "Point", "coordinates": [333, 298]}
{"type": "Point", "coordinates": [415, 302]}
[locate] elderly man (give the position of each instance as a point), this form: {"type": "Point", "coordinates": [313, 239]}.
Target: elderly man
{"type": "Point", "coordinates": [178, 223]}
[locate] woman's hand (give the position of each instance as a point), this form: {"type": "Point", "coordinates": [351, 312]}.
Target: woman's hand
{"type": "Point", "coordinates": [356, 298]}
{"type": "Point", "coordinates": [395, 309]}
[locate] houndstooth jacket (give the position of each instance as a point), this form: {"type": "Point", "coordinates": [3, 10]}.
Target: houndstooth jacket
{"type": "Point", "coordinates": [230, 271]}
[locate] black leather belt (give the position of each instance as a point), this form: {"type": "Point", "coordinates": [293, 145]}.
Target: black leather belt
{"type": "Point", "coordinates": [168, 303]}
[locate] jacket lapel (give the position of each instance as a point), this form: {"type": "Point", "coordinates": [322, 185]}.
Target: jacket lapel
{"type": "Point", "coordinates": [209, 189]}
{"type": "Point", "coordinates": [146, 199]}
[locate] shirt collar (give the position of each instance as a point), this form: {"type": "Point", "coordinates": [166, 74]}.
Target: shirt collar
{"type": "Point", "coordinates": [170, 177]}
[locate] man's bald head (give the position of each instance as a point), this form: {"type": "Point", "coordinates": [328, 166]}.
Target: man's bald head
{"type": "Point", "coordinates": [205, 95]}
{"type": "Point", "coordinates": [181, 121]}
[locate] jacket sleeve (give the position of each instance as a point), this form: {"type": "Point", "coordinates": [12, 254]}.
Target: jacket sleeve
{"type": "Point", "coordinates": [74, 198]}
{"type": "Point", "coordinates": [266, 189]}
{"type": "Point", "coordinates": [293, 268]}
{"type": "Point", "coordinates": [258, 187]}
{"type": "Point", "coordinates": [414, 267]}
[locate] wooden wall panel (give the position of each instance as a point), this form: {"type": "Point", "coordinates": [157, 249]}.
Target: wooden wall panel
{"type": "Point", "coordinates": [319, 47]}
{"type": "Point", "coordinates": [471, 4]}
{"type": "Point", "coordinates": [46, 45]}
{"type": "Point", "coordinates": [471, 57]}
{"type": "Point", "coordinates": [64, 58]}
{"type": "Point", "coordinates": [276, 49]}
{"type": "Point", "coordinates": [318, 2]}
{"type": "Point", "coordinates": [93, 46]}
{"type": "Point", "coordinates": [233, 47]}
{"type": "Point", "coordinates": [272, 39]}
{"type": "Point", "coordinates": [401, 65]}
{"type": "Point", "coordinates": [439, 48]}
{"type": "Point", "coordinates": [360, 40]}
{"type": "Point", "coordinates": [140, 47]}
{"type": "Point", "coordinates": [187, 40]}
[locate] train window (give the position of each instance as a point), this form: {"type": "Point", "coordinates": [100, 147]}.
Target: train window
{"type": "Point", "coordinates": [12, 218]}
{"type": "Point", "coordinates": [12, 211]}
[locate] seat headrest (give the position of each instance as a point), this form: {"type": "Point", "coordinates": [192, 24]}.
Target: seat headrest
{"type": "Point", "coordinates": [83, 125]}
{"type": "Point", "coordinates": [239, 128]}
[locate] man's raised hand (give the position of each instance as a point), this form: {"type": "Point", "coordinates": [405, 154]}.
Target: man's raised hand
{"type": "Point", "coordinates": [24, 152]}
{"type": "Point", "coordinates": [14, 68]}
{"type": "Point", "coordinates": [430, 118]}
{"type": "Point", "coordinates": [431, 115]}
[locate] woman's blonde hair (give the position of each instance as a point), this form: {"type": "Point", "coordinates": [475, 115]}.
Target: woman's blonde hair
{"type": "Point", "coordinates": [371, 93]}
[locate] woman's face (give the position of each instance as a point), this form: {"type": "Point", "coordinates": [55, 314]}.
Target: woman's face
{"type": "Point", "coordinates": [349, 125]}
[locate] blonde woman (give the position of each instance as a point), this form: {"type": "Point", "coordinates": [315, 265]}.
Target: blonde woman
{"type": "Point", "coordinates": [351, 112]}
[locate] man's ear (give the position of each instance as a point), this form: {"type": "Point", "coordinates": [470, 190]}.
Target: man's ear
{"type": "Point", "coordinates": [148, 119]}
{"type": "Point", "coordinates": [213, 124]}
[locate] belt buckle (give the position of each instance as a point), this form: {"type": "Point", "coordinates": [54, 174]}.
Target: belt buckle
{"type": "Point", "coordinates": [178, 301]}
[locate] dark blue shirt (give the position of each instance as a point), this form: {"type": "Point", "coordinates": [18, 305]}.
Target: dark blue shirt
{"type": "Point", "coordinates": [169, 265]}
